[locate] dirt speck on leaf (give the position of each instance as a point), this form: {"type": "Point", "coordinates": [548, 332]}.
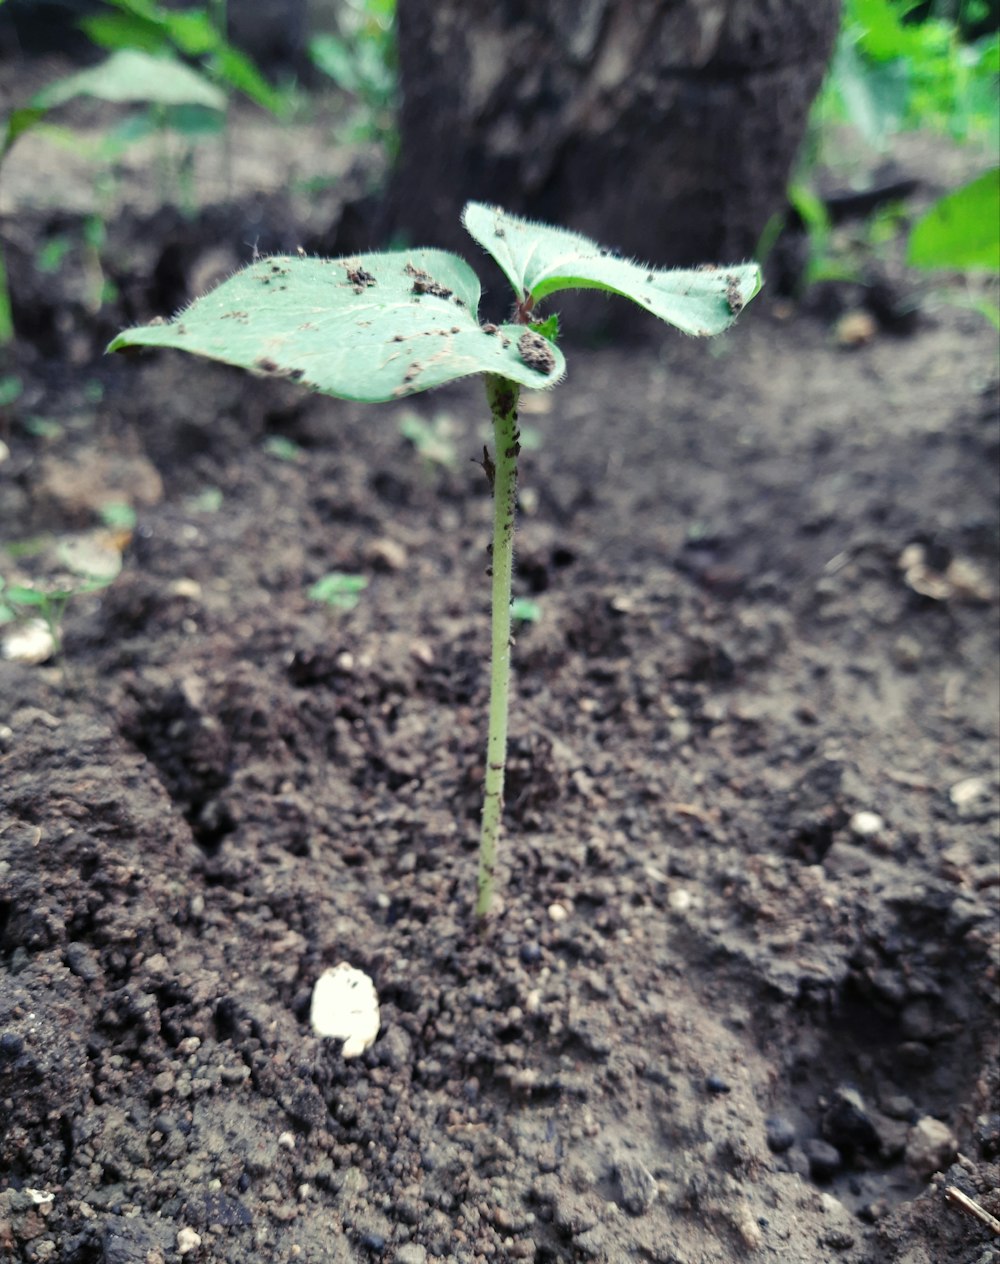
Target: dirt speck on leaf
{"type": "Point", "coordinates": [424, 283]}
{"type": "Point", "coordinates": [536, 352]}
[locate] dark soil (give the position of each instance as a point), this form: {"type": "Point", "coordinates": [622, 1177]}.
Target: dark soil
{"type": "Point", "coordinates": [705, 963]}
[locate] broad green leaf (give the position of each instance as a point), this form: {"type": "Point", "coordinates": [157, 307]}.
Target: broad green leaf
{"type": "Point", "coordinates": [374, 327]}
{"type": "Point", "coordinates": [132, 76]}
{"type": "Point", "coordinates": [962, 230]}
{"type": "Point", "coordinates": [539, 260]}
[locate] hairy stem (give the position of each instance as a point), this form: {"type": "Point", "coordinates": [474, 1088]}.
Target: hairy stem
{"type": "Point", "coordinates": [502, 395]}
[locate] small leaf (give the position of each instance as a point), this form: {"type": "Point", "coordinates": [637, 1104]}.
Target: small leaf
{"type": "Point", "coordinates": [284, 449]}
{"type": "Point", "coordinates": [548, 328]}
{"type": "Point", "coordinates": [374, 327]}
{"type": "Point", "coordinates": [539, 260]}
{"type": "Point", "coordinates": [18, 595]}
{"type": "Point", "coordinates": [17, 123]}
{"type": "Point", "coordinates": [133, 76]}
{"type": "Point", "coordinates": [524, 610]}
{"type": "Point", "coordinates": [236, 69]}
{"type": "Point", "coordinates": [125, 30]}
{"type": "Point", "coordinates": [342, 592]}
{"type": "Point", "coordinates": [962, 230]}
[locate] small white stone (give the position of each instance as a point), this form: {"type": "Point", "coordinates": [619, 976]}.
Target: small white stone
{"type": "Point", "coordinates": [286, 1140]}
{"type": "Point", "coordinates": [966, 792]}
{"type": "Point", "coordinates": [31, 643]}
{"type": "Point", "coordinates": [345, 1007]}
{"type": "Point", "coordinates": [680, 900]}
{"type": "Point", "coordinates": [556, 913]}
{"type": "Point", "coordinates": [187, 1240]}
{"type": "Point", "coordinates": [187, 588]}
{"type": "Point", "coordinates": [866, 824]}
{"type": "Point", "coordinates": [931, 1146]}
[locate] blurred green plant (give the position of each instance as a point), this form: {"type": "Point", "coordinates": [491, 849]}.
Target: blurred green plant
{"type": "Point", "coordinates": [126, 76]}
{"type": "Point", "coordinates": [149, 48]}
{"type": "Point", "coordinates": [903, 65]}
{"type": "Point", "coordinates": [196, 33]}
{"type": "Point", "coordinates": [338, 590]}
{"type": "Point", "coordinates": [524, 610]}
{"type": "Point", "coordinates": [361, 59]}
{"type": "Point", "coordinates": [961, 233]}
{"type": "Point", "coordinates": [82, 568]}
{"type": "Point", "coordinates": [283, 449]}
{"type": "Point", "coordinates": [962, 230]}
{"type": "Point", "coordinates": [434, 440]}
{"type": "Point", "coordinates": [892, 72]}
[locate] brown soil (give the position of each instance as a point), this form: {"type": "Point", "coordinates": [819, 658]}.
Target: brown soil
{"type": "Point", "coordinates": [703, 963]}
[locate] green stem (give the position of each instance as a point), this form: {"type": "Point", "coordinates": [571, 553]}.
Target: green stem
{"type": "Point", "coordinates": [502, 395]}
{"type": "Point", "coordinates": [6, 315]}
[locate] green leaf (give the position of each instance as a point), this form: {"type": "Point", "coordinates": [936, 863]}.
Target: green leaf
{"type": "Point", "coordinates": [283, 449]}
{"type": "Point", "coordinates": [132, 76]}
{"type": "Point", "coordinates": [18, 595]}
{"type": "Point", "coordinates": [331, 55]}
{"type": "Point", "coordinates": [342, 592]}
{"type": "Point", "coordinates": [373, 327]}
{"type": "Point", "coordinates": [192, 31]}
{"type": "Point", "coordinates": [548, 328]}
{"type": "Point", "coordinates": [539, 260]}
{"type": "Point", "coordinates": [962, 230]}
{"type": "Point", "coordinates": [524, 610]}
{"type": "Point", "coordinates": [239, 72]}
{"type": "Point", "coordinates": [16, 124]}
{"type": "Point", "coordinates": [125, 30]}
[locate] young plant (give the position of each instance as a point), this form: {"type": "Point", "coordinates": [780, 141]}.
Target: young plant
{"type": "Point", "coordinates": [128, 76]}
{"type": "Point", "coordinates": [380, 327]}
{"type": "Point", "coordinates": [338, 591]}
{"type": "Point", "coordinates": [48, 605]}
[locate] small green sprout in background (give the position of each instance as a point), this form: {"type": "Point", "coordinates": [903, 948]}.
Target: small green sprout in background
{"type": "Point", "coordinates": [11, 389]}
{"type": "Point", "coordinates": [434, 440]}
{"type": "Point", "coordinates": [339, 591]}
{"type": "Point", "coordinates": [361, 59]}
{"type": "Point", "coordinates": [74, 567]}
{"type": "Point", "coordinates": [283, 449]}
{"type": "Point", "coordinates": [47, 604]}
{"type": "Point", "coordinates": [118, 515]}
{"type": "Point", "coordinates": [381, 327]}
{"type": "Point", "coordinates": [208, 500]}
{"type": "Point", "coordinates": [524, 610]}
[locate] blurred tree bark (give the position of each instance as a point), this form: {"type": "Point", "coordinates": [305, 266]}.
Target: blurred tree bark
{"type": "Point", "coordinates": [664, 128]}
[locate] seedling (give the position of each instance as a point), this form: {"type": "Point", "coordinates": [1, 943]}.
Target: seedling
{"type": "Point", "coordinates": [339, 591]}
{"type": "Point", "coordinates": [18, 602]}
{"type": "Point", "coordinates": [283, 449]}
{"type": "Point", "coordinates": [381, 327]}
{"type": "Point", "coordinates": [524, 610]}
{"type": "Point", "coordinates": [432, 439]}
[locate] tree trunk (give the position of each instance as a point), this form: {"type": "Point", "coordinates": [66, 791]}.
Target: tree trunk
{"type": "Point", "coordinates": [663, 128]}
